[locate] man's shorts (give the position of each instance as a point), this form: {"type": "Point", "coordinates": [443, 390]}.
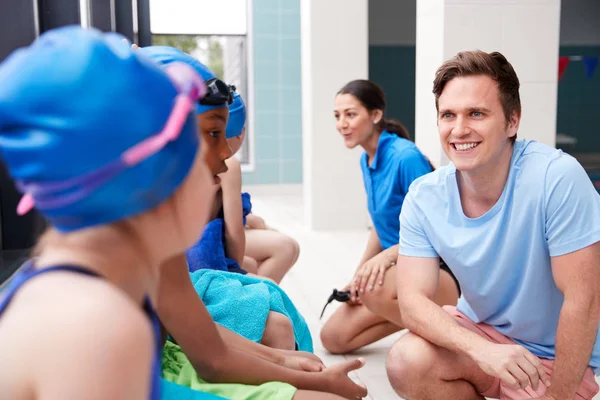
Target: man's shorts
{"type": "Point", "coordinates": [586, 391]}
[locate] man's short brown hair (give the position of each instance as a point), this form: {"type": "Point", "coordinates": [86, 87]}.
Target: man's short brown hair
{"type": "Point", "coordinates": [494, 65]}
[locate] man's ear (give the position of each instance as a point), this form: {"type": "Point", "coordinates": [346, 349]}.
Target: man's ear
{"type": "Point", "coordinates": [513, 124]}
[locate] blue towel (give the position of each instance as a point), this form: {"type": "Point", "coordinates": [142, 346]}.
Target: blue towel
{"type": "Point", "coordinates": [242, 303]}
{"type": "Point", "coordinates": [246, 206]}
{"type": "Point", "coordinates": [209, 251]}
{"type": "Point", "coordinates": [173, 391]}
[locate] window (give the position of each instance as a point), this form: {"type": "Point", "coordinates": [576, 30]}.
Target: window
{"type": "Point", "coordinates": [215, 32]}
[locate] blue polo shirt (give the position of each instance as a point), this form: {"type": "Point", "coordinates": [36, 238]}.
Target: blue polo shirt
{"type": "Point", "coordinates": [397, 163]}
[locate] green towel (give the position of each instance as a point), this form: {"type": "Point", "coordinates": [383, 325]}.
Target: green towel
{"type": "Point", "coordinates": [176, 368]}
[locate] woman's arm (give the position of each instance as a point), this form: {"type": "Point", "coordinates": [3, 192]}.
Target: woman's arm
{"type": "Point", "coordinates": [235, 237]}
{"type": "Point", "coordinates": [373, 248]}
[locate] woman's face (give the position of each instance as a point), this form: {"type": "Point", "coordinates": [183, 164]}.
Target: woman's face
{"type": "Point", "coordinates": [353, 121]}
{"type": "Point", "coordinates": [215, 149]}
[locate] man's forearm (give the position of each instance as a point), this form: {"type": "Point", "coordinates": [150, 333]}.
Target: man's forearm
{"type": "Point", "coordinates": [575, 338]}
{"type": "Point", "coordinates": [426, 319]}
{"type": "Point", "coordinates": [243, 344]}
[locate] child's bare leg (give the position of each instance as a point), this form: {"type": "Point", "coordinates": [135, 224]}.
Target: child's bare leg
{"type": "Point", "coordinates": [250, 265]}
{"type": "Point", "coordinates": [274, 252]}
{"type": "Point", "coordinates": [279, 333]}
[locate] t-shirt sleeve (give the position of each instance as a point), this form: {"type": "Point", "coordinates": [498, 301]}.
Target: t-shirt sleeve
{"type": "Point", "coordinates": [412, 165]}
{"type": "Point", "coordinates": [413, 240]}
{"type": "Point", "coordinates": [572, 207]}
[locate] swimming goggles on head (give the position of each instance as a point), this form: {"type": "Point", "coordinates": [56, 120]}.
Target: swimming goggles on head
{"type": "Point", "coordinates": [217, 93]}
{"type": "Point", "coordinates": [48, 195]}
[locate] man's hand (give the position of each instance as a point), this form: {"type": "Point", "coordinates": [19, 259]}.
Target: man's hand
{"type": "Point", "coordinates": [338, 382]}
{"type": "Point", "coordinates": [516, 367]}
{"type": "Point", "coordinates": [545, 397]}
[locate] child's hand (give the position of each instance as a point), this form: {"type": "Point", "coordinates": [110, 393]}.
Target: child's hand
{"type": "Point", "coordinates": [302, 364]}
{"type": "Point", "coordinates": [255, 222]}
{"type": "Point", "coordinates": [339, 382]}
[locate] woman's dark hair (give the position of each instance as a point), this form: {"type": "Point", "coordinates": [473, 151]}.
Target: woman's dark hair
{"type": "Point", "coordinates": [371, 96]}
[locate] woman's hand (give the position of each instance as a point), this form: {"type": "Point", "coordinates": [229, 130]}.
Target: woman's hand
{"type": "Point", "coordinates": [371, 273]}
{"type": "Point", "coordinates": [354, 298]}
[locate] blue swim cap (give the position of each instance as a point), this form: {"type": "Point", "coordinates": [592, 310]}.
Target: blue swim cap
{"type": "Point", "coordinates": [73, 102]}
{"type": "Point", "coordinates": [165, 55]}
{"type": "Point", "coordinates": [237, 117]}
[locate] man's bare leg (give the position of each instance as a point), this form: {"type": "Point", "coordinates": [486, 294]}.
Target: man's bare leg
{"type": "Point", "coordinates": [421, 370]}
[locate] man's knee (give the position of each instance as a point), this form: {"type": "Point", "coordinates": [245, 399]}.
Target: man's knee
{"type": "Point", "coordinates": [409, 363]}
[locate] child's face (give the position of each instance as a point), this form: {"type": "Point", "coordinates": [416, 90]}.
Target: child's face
{"type": "Point", "coordinates": [235, 143]}
{"type": "Point", "coordinates": [215, 149]}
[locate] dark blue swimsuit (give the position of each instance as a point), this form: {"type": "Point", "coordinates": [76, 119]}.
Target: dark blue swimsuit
{"type": "Point", "coordinates": [28, 272]}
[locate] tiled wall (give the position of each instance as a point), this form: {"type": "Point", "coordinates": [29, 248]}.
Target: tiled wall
{"type": "Point", "coordinates": [277, 93]}
{"type": "Point", "coordinates": [277, 82]}
{"type": "Point", "coordinates": [393, 68]}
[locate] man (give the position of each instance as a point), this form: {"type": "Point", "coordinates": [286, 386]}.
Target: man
{"type": "Point", "coordinates": [518, 223]}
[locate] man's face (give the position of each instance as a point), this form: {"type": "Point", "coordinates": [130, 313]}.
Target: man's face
{"type": "Point", "coordinates": [215, 149]}
{"type": "Point", "coordinates": [473, 129]}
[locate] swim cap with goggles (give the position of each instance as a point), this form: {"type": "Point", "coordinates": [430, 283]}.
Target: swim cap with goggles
{"type": "Point", "coordinates": [237, 117]}
{"type": "Point", "coordinates": [93, 132]}
{"type": "Point", "coordinates": [218, 95]}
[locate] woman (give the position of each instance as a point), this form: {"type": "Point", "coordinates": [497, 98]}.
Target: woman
{"type": "Point", "coordinates": [111, 167]}
{"type": "Point", "coordinates": [390, 163]}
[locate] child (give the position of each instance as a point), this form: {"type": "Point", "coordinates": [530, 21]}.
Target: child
{"type": "Point", "coordinates": [111, 167]}
{"type": "Point", "coordinates": [217, 354]}
{"type": "Point", "coordinates": [258, 249]}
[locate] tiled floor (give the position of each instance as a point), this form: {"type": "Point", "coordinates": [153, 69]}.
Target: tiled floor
{"type": "Point", "coordinates": [327, 261]}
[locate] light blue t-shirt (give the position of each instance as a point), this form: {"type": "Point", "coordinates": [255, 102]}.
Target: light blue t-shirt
{"type": "Point", "coordinates": [396, 164]}
{"type": "Point", "coordinates": [548, 208]}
